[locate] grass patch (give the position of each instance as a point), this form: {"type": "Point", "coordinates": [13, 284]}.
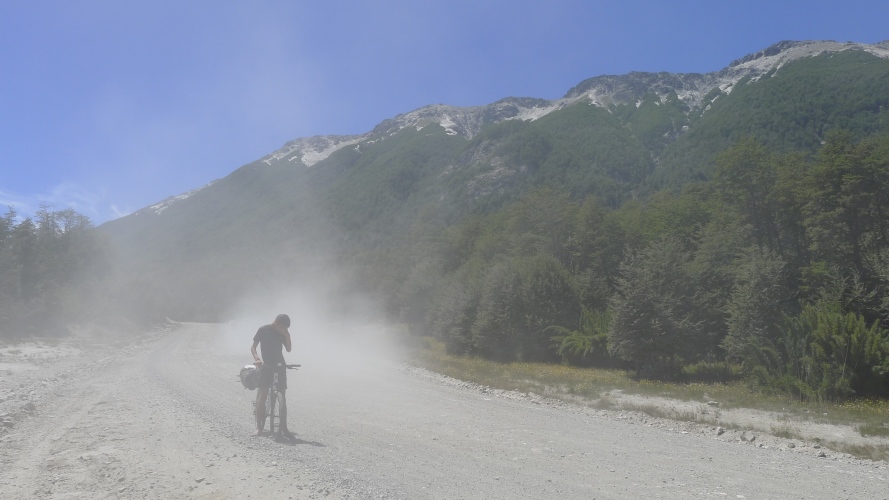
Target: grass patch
{"type": "Point", "coordinates": [591, 385]}
{"type": "Point", "coordinates": [874, 430]}
{"type": "Point", "coordinates": [786, 432]}
{"type": "Point", "coordinates": [557, 380]}
{"type": "Point", "coordinates": [872, 452]}
{"type": "Point", "coordinates": [667, 413]}
{"type": "Point", "coordinates": [544, 379]}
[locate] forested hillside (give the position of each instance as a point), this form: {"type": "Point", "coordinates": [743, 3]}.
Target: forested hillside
{"type": "Point", "coordinates": [667, 236]}
{"type": "Point", "coordinates": [779, 263]}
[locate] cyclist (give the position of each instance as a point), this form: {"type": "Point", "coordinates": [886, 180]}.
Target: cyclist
{"type": "Point", "coordinates": [271, 339]}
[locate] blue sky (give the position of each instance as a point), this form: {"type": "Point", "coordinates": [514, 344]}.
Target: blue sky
{"type": "Point", "coordinates": [109, 106]}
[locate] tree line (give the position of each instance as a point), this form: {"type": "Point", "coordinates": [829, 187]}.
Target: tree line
{"type": "Point", "coordinates": [777, 265]}
{"type": "Point", "coordinates": [47, 265]}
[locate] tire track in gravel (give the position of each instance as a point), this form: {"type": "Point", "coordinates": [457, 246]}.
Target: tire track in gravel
{"type": "Point", "coordinates": [25, 474]}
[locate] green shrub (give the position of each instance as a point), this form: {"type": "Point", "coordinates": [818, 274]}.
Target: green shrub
{"type": "Point", "coordinates": [830, 356]}
{"type": "Point", "coordinates": [574, 346]}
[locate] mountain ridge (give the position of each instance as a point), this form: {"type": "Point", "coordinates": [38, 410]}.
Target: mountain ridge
{"type": "Point", "coordinates": [604, 91]}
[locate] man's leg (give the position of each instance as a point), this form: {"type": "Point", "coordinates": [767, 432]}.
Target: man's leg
{"type": "Point", "coordinates": [260, 410]}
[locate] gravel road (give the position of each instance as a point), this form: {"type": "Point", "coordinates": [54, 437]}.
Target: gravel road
{"type": "Point", "coordinates": [168, 419]}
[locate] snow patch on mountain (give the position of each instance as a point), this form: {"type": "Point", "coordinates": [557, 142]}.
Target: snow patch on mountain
{"type": "Point", "coordinates": [609, 90]}
{"type": "Point", "coordinates": [468, 121]}
{"type": "Point", "coordinates": [311, 150]}
{"type": "Point", "coordinates": [781, 53]}
{"type": "Point", "coordinates": [531, 114]}
{"type": "Point", "coordinates": [161, 207]}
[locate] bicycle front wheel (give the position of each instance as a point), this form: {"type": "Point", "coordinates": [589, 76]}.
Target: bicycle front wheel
{"type": "Point", "coordinates": [280, 414]}
{"type": "Point", "coordinates": [274, 415]}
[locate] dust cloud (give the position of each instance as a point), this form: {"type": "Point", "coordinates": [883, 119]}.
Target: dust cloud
{"type": "Point", "coordinates": [330, 330]}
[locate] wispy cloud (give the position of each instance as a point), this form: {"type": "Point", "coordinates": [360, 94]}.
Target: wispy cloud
{"type": "Point", "coordinates": [65, 195]}
{"type": "Point", "coordinates": [23, 205]}
{"type": "Point", "coordinates": [118, 213]}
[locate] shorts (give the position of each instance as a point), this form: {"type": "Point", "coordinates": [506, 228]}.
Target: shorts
{"type": "Point", "coordinates": [267, 374]}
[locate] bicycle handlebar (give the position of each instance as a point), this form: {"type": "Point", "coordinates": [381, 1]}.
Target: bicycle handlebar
{"type": "Point", "coordinates": [289, 367]}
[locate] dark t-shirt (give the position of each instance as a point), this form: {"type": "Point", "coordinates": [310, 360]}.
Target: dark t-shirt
{"type": "Point", "coordinates": [271, 344]}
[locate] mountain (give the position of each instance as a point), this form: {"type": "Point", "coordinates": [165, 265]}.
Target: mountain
{"type": "Point", "coordinates": [353, 200]}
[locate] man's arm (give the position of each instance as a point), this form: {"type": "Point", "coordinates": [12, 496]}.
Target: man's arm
{"type": "Point", "coordinates": [256, 360]}
{"type": "Point", "coordinates": [287, 341]}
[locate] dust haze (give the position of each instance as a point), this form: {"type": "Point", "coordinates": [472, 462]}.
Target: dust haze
{"type": "Point", "coordinates": [331, 331]}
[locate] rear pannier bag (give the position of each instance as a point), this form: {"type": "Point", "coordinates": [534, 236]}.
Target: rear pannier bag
{"type": "Point", "coordinates": [250, 377]}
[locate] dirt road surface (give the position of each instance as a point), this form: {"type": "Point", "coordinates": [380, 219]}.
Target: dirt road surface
{"type": "Point", "coordinates": [168, 419]}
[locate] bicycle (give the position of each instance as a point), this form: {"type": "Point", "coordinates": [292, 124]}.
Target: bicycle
{"type": "Point", "coordinates": [276, 405]}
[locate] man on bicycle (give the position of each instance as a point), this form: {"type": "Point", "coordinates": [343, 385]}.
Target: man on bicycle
{"type": "Point", "coordinates": [271, 339]}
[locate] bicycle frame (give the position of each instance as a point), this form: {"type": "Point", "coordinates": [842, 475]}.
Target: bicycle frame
{"type": "Point", "coordinates": [275, 405]}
